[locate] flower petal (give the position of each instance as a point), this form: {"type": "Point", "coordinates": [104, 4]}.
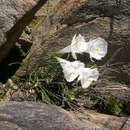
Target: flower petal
{"type": "Point", "coordinates": [70, 69]}
{"type": "Point", "coordinates": [97, 48]}
{"type": "Point", "coordinates": [63, 62]}
{"type": "Point", "coordinates": [87, 76]}
{"type": "Point", "coordinates": [65, 50]}
{"type": "Point", "coordinates": [78, 45]}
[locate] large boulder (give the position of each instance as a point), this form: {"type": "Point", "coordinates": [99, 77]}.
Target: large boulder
{"type": "Point", "coordinates": [106, 122]}
{"type": "Point", "coordinates": [37, 116]}
{"type": "Point", "coordinates": [14, 16]}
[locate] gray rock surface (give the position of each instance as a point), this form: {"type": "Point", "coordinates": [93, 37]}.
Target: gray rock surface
{"type": "Point", "coordinates": [38, 116]}
{"type": "Point", "coordinates": [14, 16]}
{"type": "Point", "coordinates": [106, 122]}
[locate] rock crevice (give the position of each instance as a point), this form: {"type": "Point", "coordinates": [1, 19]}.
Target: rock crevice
{"type": "Point", "coordinates": [15, 15]}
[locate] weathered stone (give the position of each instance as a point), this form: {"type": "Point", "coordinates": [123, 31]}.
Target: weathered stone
{"type": "Point", "coordinates": [107, 122]}
{"type": "Point", "coordinates": [37, 116]}
{"type": "Point", "coordinates": [106, 97]}
{"type": "Point", "coordinates": [14, 16]}
{"type": "Point", "coordinates": [47, 9]}
{"type": "Point", "coordinates": [55, 17]}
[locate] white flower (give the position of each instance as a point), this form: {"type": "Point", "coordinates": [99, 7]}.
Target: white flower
{"type": "Point", "coordinates": [78, 45]}
{"type": "Point", "coordinates": [75, 69]}
{"type": "Point", "coordinates": [97, 48]}
{"type": "Point", "coordinates": [70, 69]}
{"type": "Point", "coordinates": [87, 76]}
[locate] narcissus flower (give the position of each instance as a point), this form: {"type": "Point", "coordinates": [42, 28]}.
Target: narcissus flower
{"type": "Point", "coordinates": [97, 48]}
{"type": "Point", "coordinates": [70, 69]}
{"type": "Point", "coordinates": [75, 69]}
{"type": "Point", "coordinates": [87, 76]}
{"type": "Point", "coordinates": [78, 45]}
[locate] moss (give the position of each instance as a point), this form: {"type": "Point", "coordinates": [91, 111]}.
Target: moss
{"type": "Point", "coordinates": [112, 106]}
{"type": "Point", "coordinates": [105, 104]}
{"type": "Point", "coordinates": [2, 95]}
{"type": "Point", "coordinates": [34, 21]}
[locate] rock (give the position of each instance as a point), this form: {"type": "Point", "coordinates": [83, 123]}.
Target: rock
{"type": "Point", "coordinates": [58, 11]}
{"type": "Point", "coordinates": [40, 116]}
{"type": "Point", "coordinates": [37, 116]}
{"type": "Point", "coordinates": [47, 9]}
{"type": "Point", "coordinates": [14, 16]}
{"type": "Point", "coordinates": [106, 97]}
{"type": "Point", "coordinates": [107, 122]}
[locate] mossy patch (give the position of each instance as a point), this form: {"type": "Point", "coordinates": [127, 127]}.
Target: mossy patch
{"type": "Point", "coordinates": [34, 22]}
{"type": "Point", "coordinates": [104, 104]}
{"type": "Point", "coordinates": [113, 106]}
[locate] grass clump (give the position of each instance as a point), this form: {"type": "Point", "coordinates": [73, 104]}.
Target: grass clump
{"type": "Point", "coordinates": [48, 81]}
